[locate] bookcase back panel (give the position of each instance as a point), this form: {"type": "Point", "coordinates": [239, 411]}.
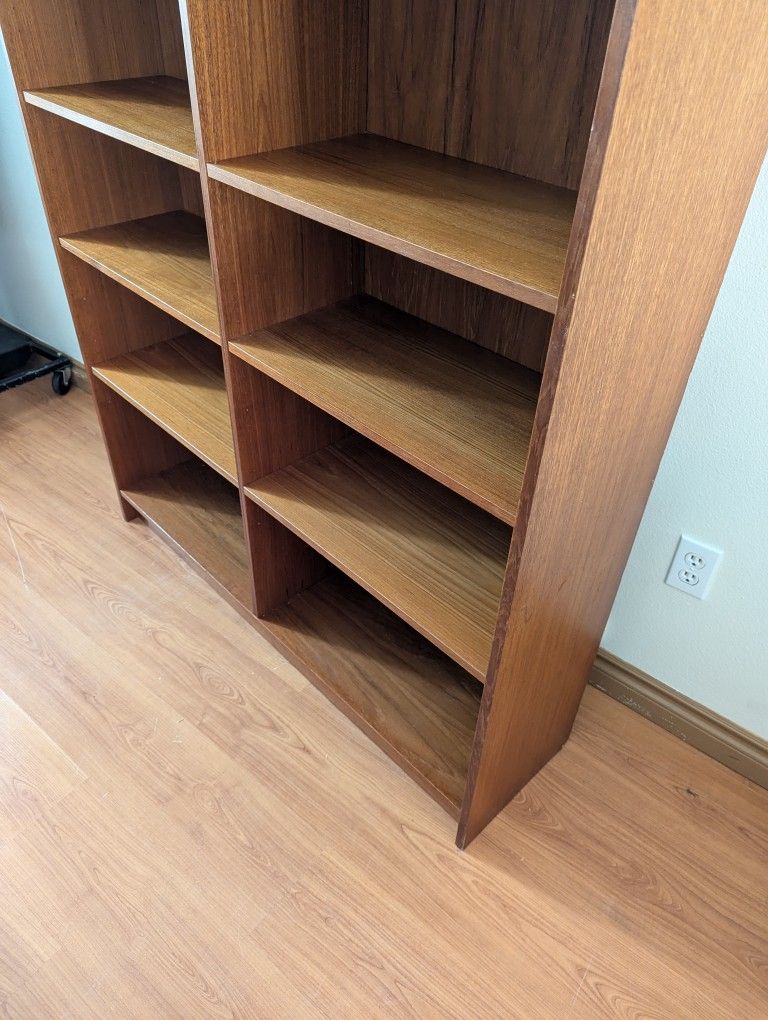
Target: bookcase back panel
{"type": "Point", "coordinates": [273, 75]}
{"type": "Point", "coordinates": [138, 447]}
{"type": "Point", "coordinates": [507, 327]}
{"type": "Point", "coordinates": [426, 72]}
{"type": "Point", "coordinates": [286, 565]}
{"type": "Point", "coordinates": [191, 192]}
{"type": "Point", "coordinates": [92, 180]}
{"type": "Point", "coordinates": [273, 264]}
{"type": "Point", "coordinates": [67, 42]}
{"type": "Point", "coordinates": [171, 38]}
{"type": "Point", "coordinates": [110, 319]}
{"type": "Point", "coordinates": [508, 83]}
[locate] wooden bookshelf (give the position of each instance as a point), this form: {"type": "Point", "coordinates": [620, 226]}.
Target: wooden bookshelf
{"type": "Point", "coordinates": [434, 559]}
{"type": "Point", "coordinates": [415, 703]}
{"type": "Point", "coordinates": [162, 258]}
{"type": "Point", "coordinates": [198, 514]}
{"type": "Point", "coordinates": [152, 113]}
{"type": "Point", "coordinates": [504, 232]}
{"type": "Point", "coordinates": [462, 415]}
{"type": "Point", "coordinates": [455, 273]}
{"type": "Point", "coordinates": [179, 384]}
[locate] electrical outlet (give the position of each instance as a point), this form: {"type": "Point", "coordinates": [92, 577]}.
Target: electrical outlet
{"type": "Point", "coordinates": [693, 567]}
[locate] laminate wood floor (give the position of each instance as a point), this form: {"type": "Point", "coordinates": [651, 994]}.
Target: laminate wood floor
{"type": "Point", "coordinates": [188, 829]}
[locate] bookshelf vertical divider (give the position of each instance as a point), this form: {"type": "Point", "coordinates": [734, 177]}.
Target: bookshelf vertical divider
{"type": "Point", "coordinates": [388, 311]}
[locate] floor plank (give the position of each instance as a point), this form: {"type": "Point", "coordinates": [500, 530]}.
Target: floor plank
{"type": "Point", "coordinates": [33, 768]}
{"type": "Point", "coordinates": [189, 829]}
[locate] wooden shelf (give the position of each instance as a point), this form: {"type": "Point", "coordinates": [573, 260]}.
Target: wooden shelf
{"type": "Point", "coordinates": [504, 232]}
{"type": "Point", "coordinates": [415, 703]}
{"type": "Point", "coordinates": [179, 384]}
{"type": "Point", "coordinates": [460, 413]}
{"type": "Point", "coordinates": [153, 114]}
{"type": "Point", "coordinates": [198, 514]}
{"type": "Point", "coordinates": [162, 258]}
{"type": "Point", "coordinates": [430, 158]}
{"type": "Point", "coordinates": [434, 559]}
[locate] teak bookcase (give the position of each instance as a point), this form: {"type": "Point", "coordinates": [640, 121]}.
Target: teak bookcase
{"type": "Point", "coordinates": [388, 307]}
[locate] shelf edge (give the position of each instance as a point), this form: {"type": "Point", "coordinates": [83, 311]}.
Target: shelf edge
{"type": "Point", "coordinates": [176, 434]}
{"type": "Point", "coordinates": [508, 517]}
{"type": "Point", "coordinates": [111, 131]}
{"type": "Point", "coordinates": [141, 291]}
{"type": "Point", "coordinates": [474, 671]}
{"type": "Point", "coordinates": [425, 256]}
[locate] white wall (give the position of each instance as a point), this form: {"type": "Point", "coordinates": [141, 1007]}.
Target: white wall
{"type": "Point", "coordinates": [713, 485]}
{"type": "Point", "coordinates": [31, 292]}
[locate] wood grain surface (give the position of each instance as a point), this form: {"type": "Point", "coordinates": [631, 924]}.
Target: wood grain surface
{"type": "Point", "coordinates": [138, 447]}
{"type": "Point", "coordinates": [92, 179]}
{"type": "Point", "coordinates": [163, 258]}
{"type": "Point", "coordinates": [506, 233]}
{"type": "Point", "coordinates": [418, 71]}
{"type": "Point", "coordinates": [190, 829]}
{"type": "Point", "coordinates": [179, 384]}
{"type": "Point", "coordinates": [30, 760]}
{"type": "Point", "coordinates": [69, 42]}
{"type": "Point", "coordinates": [283, 565]}
{"type": "Point", "coordinates": [715, 735]}
{"type": "Point", "coordinates": [500, 324]}
{"type": "Point", "coordinates": [271, 75]}
{"type": "Point", "coordinates": [508, 83]}
{"type": "Point", "coordinates": [462, 415]}
{"type": "Point", "coordinates": [151, 113]}
{"type": "Point", "coordinates": [199, 515]}
{"type": "Point", "coordinates": [680, 128]}
{"type": "Point", "coordinates": [171, 38]}
{"type": "Point", "coordinates": [645, 264]}
{"type": "Point", "coordinates": [434, 559]}
{"type": "Point", "coordinates": [415, 703]}
{"type": "Point", "coordinates": [300, 265]}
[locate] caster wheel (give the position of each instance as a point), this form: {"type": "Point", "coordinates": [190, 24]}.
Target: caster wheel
{"type": "Point", "coordinates": [62, 382]}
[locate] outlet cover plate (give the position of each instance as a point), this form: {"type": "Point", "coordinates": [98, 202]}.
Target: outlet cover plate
{"type": "Point", "coordinates": [693, 567]}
